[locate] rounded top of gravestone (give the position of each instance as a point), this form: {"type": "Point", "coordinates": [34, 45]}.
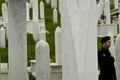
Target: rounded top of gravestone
{"type": "Point", "coordinates": [41, 3]}
{"type": "Point", "coordinates": [2, 29]}
{"type": "Point", "coordinates": [55, 10]}
{"type": "Point", "coordinates": [42, 44]}
{"type": "Point", "coordinates": [58, 30]}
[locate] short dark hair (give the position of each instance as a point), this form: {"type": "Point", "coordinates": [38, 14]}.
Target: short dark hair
{"type": "Point", "coordinates": [104, 39]}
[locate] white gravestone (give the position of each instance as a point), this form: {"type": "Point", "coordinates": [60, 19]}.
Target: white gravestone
{"type": "Point", "coordinates": [76, 47]}
{"type": "Point", "coordinates": [5, 14]}
{"type": "Point", "coordinates": [58, 53]}
{"type": "Point", "coordinates": [116, 4]}
{"type": "Point", "coordinates": [17, 40]}
{"type": "Point", "coordinates": [53, 3]}
{"type": "Point", "coordinates": [2, 37]}
{"type": "Point", "coordinates": [119, 22]}
{"type": "Point", "coordinates": [55, 16]}
{"type": "Point", "coordinates": [36, 31]}
{"type": "Point", "coordinates": [107, 12]}
{"type": "Point", "coordinates": [60, 5]}
{"type": "Point", "coordinates": [35, 10]}
{"type": "Point", "coordinates": [117, 49]}
{"type": "Point", "coordinates": [27, 11]}
{"type": "Point", "coordinates": [42, 35]}
{"type": "Point", "coordinates": [42, 60]}
{"type": "Point", "coordinates": [42, 10]}
{"type": "Point", "coordinates": [42, 24]}
{"type": "Point", "coordinates": [47, 1]}
{"type": "Point", "coordinates": [31, 3]}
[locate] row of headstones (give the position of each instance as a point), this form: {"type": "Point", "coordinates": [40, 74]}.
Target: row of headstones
{"type": "Point", "coordinates": [42, 13]}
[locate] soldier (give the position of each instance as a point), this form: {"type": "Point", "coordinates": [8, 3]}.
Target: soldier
{"type": "Point", "coordinates": [106, 61]}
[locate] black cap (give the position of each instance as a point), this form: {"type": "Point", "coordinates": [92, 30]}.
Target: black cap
{"type": "Point", "coordinates": [104, 39]}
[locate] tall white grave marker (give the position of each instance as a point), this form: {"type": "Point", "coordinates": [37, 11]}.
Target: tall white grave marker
{"type": "Point", "coordinates": [58, 53]}
{"type": "Point", "coordinates": [17, 40]}
{"type": "Point", "coordinates": [107, 12]}
{"type": "Point", "coordinates": [2, 37]}
{"type": "Point", "coordinates": [116, 4]}
{"type": "Point", "coordinates": [42, 61]}
{"type": "Point", "coordinates": [5, 13]}
{"type": "Point", "coordinates": [53, 3]}
{"type": "Point", "coordinates": [27, 11]}
{"type": "Point", "coordinates": [55, 16]}
{"type": "Point", "coordinates": [117, 49]}
{"type": "Point", "coordinates": [42, 10]}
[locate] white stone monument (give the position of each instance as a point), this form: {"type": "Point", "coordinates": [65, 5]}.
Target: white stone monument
{"type": "Point", "coordinates": [116, 4]}
{"type": "Point", "coordinates": [119, 22]}
{"type": "Point", "coordinates": [117, 49]}
{"type": "Point", "coordinates": [35, 10]}
{"type": "Point", "coordinates": [36, 30]}
{"type": "Point", "coordinates": [53, 3]}
{"type": "Point", "coordinates": [58, 53]}
{"type": "Point", "coordinates": [107, 12]}
{"type": "Point", "coordinates": [55, 16]}
{"type": "Point", "coordinates": [60, 5]}
{"type": "Point", "coordinates": [5, 14]}
{"type": "Point", "coordinates": [81, 50]}
{"type": "Point", "coordinates": [17, 40]}
{"type": "Point", "coordinates": [27, 11]}
{"type": "Point", "coordinates": [2, 37]}
{"type": "Point", "coordinates": [42, 16]}
{"type": "Point", "coordinates": [42, 60]}
{"type": "Point", "coordinates": [42, 35]}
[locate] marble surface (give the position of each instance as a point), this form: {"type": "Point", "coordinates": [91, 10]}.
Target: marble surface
{"type": "Point", "coordinates": [27, 11]}
{"type": "Point", "coordinates": [58, 54]}
{"type": "Point", "coordinates": [53, 3]}
{"type": "Point", "coordinates": [103, 29]}
{"type": "Point", "coordinates": [42, 53]}
{"type": "Point", "coordinates": [35, 9]}
{"type": "Point", "coordinates": [107, 11]}
{"type": "Point", "coordinates": [116, 4]}
{"type": "Point", "coordinates": [42, 35]}
{"type": "Point", "coordinates": [117, 58]}
{"type": "Point", "coordinates": [17, 40]}
{"type": "Point", "coordinates": [42, 16]}
{"type": "Point", "coordinates": [55, 16]}
{"type": "Point", "coordinates": [77, 45]}
{"type": "Point", "coordinates": [2, 38]}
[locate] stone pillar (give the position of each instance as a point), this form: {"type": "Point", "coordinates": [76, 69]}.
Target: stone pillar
{"type": "Point", "coordinates": [41, 10]}
{"type": "Point", "coordinates": [2, 37]}
{"type": "Point", "coordinates": [5, 14]}
{"type": "Point", "coordinates": [58, 53]}
{"type": "Point", "coordinates": [47, 1]}
{"type": "Point", "coordinates": [117, 50]}
{"type": "Point", "coordinates": [55, 16]}
{"type": "Point", "coordinates": [17, 40]}
{"type": "Point", "coordinates": [36, 30]}
{"type": "Point", "coordinates": [27, 11]}
{"type": "Point", "coordinates": [42, 35]}
{"type": "Point", "coordinates": [107, 12]}
{"type": "Point", "coordinates": [116, 4]}
{"type": "Point", "coordinates": [119, 22]}
{"type": "Point", "coordinates": [35, 10]}
{"type": "Point", "coordinates": [42, 60]}
{"type": "Point", "coordinates": [59, 4]}
{"type": "Point", "coordinates": [53, 3]}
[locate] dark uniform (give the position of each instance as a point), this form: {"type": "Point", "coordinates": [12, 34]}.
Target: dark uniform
{"type": "Point", "coordinates": [106, 63]}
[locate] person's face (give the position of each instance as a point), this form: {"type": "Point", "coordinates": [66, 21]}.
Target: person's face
{"type": "Point", "coordinates": [107, 43]}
